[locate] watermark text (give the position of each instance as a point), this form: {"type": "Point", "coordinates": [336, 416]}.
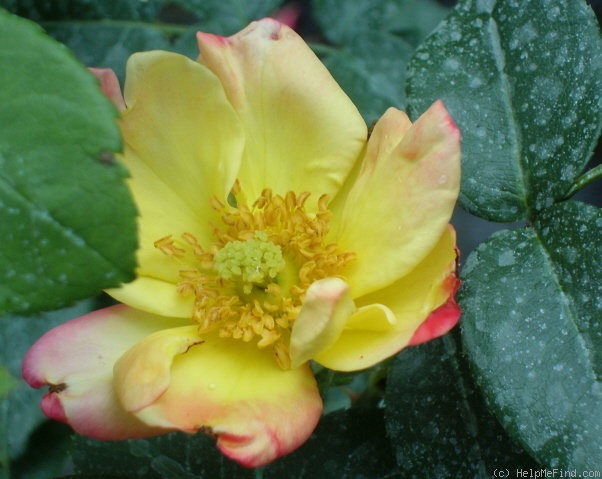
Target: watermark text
{"type": "Point", "coordinates": [543, 473]}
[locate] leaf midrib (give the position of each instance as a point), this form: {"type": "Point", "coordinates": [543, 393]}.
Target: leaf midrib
{"type": "Point", "coordinates": [499, 57]}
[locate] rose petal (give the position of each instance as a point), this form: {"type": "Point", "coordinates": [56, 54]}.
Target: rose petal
{"type": "Point", "coordinates": [257, 410]}
{"type": "Point", "coordinates": [143, 373]}
{"type": "Point", "coordinates": [388, 319]}
{"type": "Point", "coordinates": [302, 131]}
{"type": "Point", "coordinates": [76, 360]}
{"type": "Point", "coordinates": [441, 320]}
{"type": "Point", "coordinates": [109, 84]}
{"type": "Point", "coordinates": [371, 335]}
{"type": "Point", "coordinates": [402, 199]}
{"type": "Point", "coordinates": [154, 296]}
{"type": "Point", "coordinates": [183, 145]}
{"type": "Point", "coordinates": [325, 311]}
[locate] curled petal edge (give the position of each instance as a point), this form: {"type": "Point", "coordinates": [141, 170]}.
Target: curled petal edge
{"type": "Point", "coordinates": [175, 379]}
{"type": "Point", "coordinates": [441, 320]}
{"type": "Point", "coordinates": [326, 309]}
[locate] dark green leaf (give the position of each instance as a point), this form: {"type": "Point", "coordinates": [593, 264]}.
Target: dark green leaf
{"type": "Point", "coordinates": [342, 21]}
{"type": "Point", "coordinates": [93, 476]}
{"type": "Point", "coordinates": [7, 382]}
{"type": "Point", "coordinates": [523, 80]}
{"type": "Point", "coordinates": [437, 421]}
{"type": "Point", "coordinates": [108, 45]}
{"type": "Point", "coordinates": [84, 9]}
{"type": "Point", "coordinates": [348, 444]}
{"type": "Point", "coordinates": [226, 17]}
{"type": "Point", "coordinates": [532, 301]}
{"type": "Point", "coordinates": [46, 454]}
{"type": "Point", "coordinates": [371, 70]}
{"type": "Point", "coordinates": [186, 43]}
{"type": "Point", "coordinates": [66, 213]}
{"type": "Point", "coordinates": [175, 455]}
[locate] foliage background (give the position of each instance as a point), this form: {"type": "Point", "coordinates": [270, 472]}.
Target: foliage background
{"type": "Point", "coordinates": [517, 386]}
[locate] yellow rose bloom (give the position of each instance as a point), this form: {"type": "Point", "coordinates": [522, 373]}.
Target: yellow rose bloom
{"type": "Point", "coordinates": [273, 231]}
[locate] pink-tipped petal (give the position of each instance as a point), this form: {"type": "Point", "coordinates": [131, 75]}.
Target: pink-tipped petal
{"type": "Point", "coordinates": [387, 320]}
{"type": "Point", "coordinates": [402, 199]}
{"type": "Point", "coordinates": [52, 406]}
{"type": "Point", "coordinates": [440, 321]}
{"type": "Point", "coordinates": [233, 389]}
{"type": "Point", "coordinates": [76, 361]}
{"type": "Point", "coordinates": [109, 84]}
{"type": "Point", "coordinates": [302, 131]}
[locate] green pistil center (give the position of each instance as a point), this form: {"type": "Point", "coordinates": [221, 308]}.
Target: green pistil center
{"type": "Point", "coordinates": [255, 261]}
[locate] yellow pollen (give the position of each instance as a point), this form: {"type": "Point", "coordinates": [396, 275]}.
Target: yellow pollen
{"type": "Point", "coordinates": [250, 283]}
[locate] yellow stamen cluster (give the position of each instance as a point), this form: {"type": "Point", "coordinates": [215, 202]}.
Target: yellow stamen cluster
{"type": "Point", "coordinates": [250, 283]}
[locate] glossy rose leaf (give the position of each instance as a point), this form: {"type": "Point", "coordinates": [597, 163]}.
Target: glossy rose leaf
{"type": "Point", "coordinates": [374, 42]}
{"type": "Point", "coordinates": [437, 421]}
{"type": "Point", "coordinates": [532, 313]}
{"type": "Point", "coordinates": [371, 69]}
{"type": "Point", "coordinates": [523, 81]}
{"type": "Point", "coordinates": [169, 456]}
{"type": "Point", "coordinates": [47, 453]}
{"type": "Point", "coordinates": [108, 9]}
{"type": "Point", "coordinates": [357, 447]}
{"type": "Point", "coordinates": [67, 217]}
{"type": "Point", "coordinates": [343, 21]}
{"type": "Point", "coordinates": [347, 444]}
{"type": "Point", "coordinates": [225, 17]}
{"type": "Point", "coordinates": [109, 44]}
{"type": "Point", "coordinates": [104, 34]}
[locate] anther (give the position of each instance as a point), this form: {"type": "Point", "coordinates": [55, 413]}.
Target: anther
{"type": "Point", "coordinates": [251, 282]}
